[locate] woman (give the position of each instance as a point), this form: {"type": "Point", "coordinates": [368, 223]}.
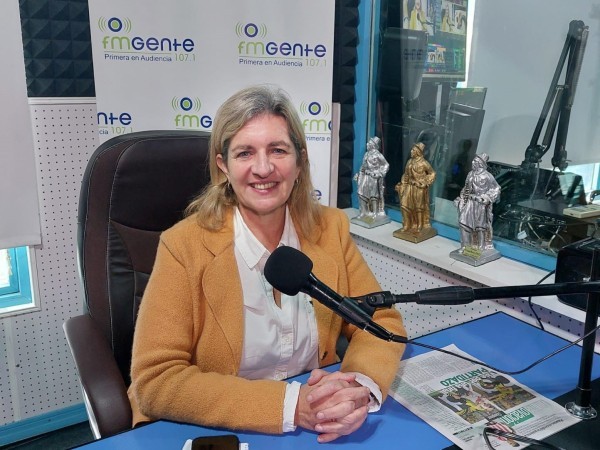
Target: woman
{"type": "Point", "coordinates": [446, 25]}
{"type": "Point", "coordinates": [213, 339]}
{"type": "Point", "coordinates": [418, 19]}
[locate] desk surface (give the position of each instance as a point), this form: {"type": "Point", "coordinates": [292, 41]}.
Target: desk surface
{"type": "Point", "coordinates": [499, 340]}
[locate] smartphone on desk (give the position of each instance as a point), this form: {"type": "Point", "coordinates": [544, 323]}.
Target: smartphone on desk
{"type": "Point", "coordinates": [222, 442]}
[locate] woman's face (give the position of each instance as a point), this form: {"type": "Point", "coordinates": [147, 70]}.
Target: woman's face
{"type": "Point", "coordinates": [261, 166]}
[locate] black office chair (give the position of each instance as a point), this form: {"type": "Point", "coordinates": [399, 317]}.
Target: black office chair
{"type": "Point", "coordinates": [134, 187]}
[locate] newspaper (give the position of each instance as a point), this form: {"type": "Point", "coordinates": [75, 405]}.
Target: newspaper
{"type": "Point", "coordinates": [459, 398]}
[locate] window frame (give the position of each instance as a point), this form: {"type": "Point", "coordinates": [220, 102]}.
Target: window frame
{"type": "Point", "coordinates": [18, 296]}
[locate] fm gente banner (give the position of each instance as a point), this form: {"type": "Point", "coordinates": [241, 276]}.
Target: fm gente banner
{"type": "Point", "coordinates": [169, 65]}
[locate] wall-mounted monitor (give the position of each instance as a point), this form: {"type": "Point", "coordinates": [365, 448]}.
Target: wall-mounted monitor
{"type": "Point", "coordinates": [445, 22]}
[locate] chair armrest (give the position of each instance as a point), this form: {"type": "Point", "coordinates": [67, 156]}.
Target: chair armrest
{"type": "Point", "coordinates": [103, 386]}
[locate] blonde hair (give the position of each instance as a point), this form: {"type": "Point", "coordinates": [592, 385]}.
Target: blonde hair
{"type": "Point", "coordinates": [211, 206]}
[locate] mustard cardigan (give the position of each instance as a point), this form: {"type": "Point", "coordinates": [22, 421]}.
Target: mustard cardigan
{"type": "Point", "coordinates": [188, 338]}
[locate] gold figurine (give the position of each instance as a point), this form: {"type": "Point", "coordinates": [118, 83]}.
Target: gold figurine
{"type": "Point", "coordinates": [413, 191]}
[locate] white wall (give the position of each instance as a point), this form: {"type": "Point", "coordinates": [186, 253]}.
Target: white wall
{"type": "Point", "coordinates": [516, 48]}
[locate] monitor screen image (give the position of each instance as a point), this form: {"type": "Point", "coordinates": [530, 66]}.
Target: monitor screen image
{"type": "Point", "coordinates": [445, 22]}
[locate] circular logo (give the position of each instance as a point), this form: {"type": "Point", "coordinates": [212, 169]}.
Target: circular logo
{"type": "Point", "coordinates": [186, 103]}
{"type": "Point", "coordinates": [314, 108]}
{"type": "Point", "coordinates": [115, 24]}
{"type": "Point", "coordinates": [251, 30]}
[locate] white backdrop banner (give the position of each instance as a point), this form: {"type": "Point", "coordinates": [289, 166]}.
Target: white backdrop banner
{"type": "Point", "coordinates": [169, 65]}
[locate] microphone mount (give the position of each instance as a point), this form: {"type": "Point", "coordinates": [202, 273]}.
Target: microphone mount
{"type": "Point", "coordinates": [560, 99]}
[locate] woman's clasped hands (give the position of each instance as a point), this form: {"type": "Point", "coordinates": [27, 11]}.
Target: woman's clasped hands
{"type": "Point", "coordinates": [333, 404]}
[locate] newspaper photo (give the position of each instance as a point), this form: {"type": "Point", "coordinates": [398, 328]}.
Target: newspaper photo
{"type": "Point", "coordinates": [459, 398]}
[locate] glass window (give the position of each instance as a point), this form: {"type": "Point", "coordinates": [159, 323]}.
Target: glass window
{"type": "Point", "coordinates": [8, 273]}
{"type": "Point", "coordinates": [15, 280]}
{"type": "Point", "coordinates": [466, 78]}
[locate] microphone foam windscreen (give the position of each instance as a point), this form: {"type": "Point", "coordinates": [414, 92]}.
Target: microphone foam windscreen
{"type": "Point", "coordinates": [288, 269]}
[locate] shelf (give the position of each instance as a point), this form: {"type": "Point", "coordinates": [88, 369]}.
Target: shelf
{"type": "Point", "coordinates": [436, 251]}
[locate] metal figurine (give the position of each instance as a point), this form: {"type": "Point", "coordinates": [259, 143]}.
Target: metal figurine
{"type": "Point", "coordinates": [371, 185]}
{"type": "Point", "coordinates": [475, 215]}
{"type": "Point", "coordinates": [413, 191]}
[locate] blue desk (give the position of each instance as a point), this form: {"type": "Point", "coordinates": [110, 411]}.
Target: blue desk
{"type": "Point", "coordinates": [499, 340]}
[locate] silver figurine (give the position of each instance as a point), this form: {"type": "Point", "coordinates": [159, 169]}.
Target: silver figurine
{"type": "Point", "coordinates": [370, 187]}
{"type": "Point", "coordinates": [475, 215]}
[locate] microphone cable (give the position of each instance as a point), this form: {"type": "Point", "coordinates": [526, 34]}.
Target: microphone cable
{"type": "Point", "coordinates": [530, 302]}
{"type": "Point", "coordinates": [404, 340]}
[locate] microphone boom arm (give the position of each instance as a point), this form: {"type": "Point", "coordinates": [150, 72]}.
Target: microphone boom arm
{"type": "Point", "coordinates": [560, 99]}
{"type": "Point", "coordinates": [461, 295]}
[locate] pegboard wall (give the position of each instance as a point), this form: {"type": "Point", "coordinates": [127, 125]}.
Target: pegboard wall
{"type": "Point", "coordinates": [38, 373]}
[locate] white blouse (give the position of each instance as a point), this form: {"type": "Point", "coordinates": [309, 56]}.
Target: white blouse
{"type": "Point", "coordinates": [278, 342]}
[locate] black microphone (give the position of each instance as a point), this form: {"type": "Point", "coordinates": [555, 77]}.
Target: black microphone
{"type": "Point", "coordinates": [289, 271]}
